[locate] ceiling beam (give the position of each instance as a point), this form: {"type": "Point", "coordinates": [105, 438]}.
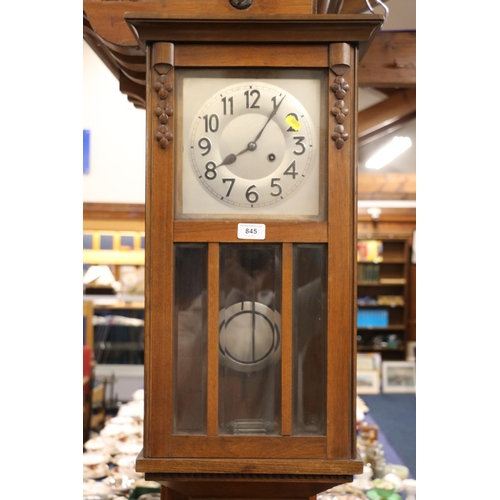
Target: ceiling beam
{"type": "Point", "coordinates": [390, 61]}
{"type": "Point", "coordinates": [387, 115]}
{"type": "Point", "coordinates": [392, 186]}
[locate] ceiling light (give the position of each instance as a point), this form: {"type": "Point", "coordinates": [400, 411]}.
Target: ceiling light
{"type": "Point", "coordinates": [392, 150]}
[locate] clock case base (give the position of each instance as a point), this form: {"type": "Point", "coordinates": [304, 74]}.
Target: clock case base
{"type": "Point", "coordinates": [250, 478]}
{"type": "Point", "coordinates": [257, 487]}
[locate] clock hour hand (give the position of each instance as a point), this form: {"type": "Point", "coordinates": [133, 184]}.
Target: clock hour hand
{"type": "Point", "coordinates": [231, 158]}
{"type": "Point", "coordinates": [228, 160]}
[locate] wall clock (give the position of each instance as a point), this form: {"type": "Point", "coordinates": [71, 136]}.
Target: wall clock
{"type": "Point", "coordinates": [251, 251]}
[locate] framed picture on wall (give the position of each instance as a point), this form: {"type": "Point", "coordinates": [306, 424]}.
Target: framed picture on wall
{"type": "Point", "coordinates": [369, 361]}
{"type": "Point", "coordinates": [368, 381]}
{"type": "Point", "coordinates": [398, 376]}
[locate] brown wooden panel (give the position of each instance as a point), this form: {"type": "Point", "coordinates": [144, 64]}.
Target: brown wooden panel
{"type": "Point", "coordinates": [259, 488]}
{"type": "Point", "coordinates": [341, 238]}
{"type": "Point", "coordinates": [159, 297]}
{"type": "Point", "coordinates": [248, 55]}
{"type": "Point", "coordinates": [248, 447]}
{"type": "Point", "coordinates": [246, 465]}
{"type": "Point", "coordinates": [213, 340]}
{"type": "Point", "coordinates": [286, 340]}
{"type": "Point", "coordinates": [226, 231]}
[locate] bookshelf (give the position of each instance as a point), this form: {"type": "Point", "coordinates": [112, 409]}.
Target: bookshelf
{"type": "Point", "coordinates": [382, 295]}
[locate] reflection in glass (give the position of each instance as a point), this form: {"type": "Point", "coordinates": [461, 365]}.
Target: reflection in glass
{"type": "Point", "coordinates": [309, 340]}
{"type": "Point", "coordinates": [190, 339]}
{"type": "Point", "coordinates": [250, 339]}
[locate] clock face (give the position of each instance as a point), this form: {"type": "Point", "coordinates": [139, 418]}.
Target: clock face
{"type": "Point", "coordinates": [251, 146]}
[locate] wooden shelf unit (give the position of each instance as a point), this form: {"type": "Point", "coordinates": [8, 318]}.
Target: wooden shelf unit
{"type": "Point", "coordinates": [390, 278]}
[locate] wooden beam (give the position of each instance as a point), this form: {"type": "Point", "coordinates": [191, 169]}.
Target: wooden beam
{"type": "Point", "coordinates": [107, 18]}
{"type": "Point", "coordinates": [396, 109]}
{"type": "Point", "coordinates": [392, 186]}
{"type": "Point", "coordinates": [390, 61]}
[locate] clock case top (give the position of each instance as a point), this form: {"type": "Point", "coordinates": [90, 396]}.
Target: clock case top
{"type": "Point", "coordinates": [334, 43]}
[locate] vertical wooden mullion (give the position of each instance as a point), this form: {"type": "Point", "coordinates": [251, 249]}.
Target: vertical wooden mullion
{"type": "Point", "coordinates": [213, 341]}
{"type": "Point", "coordinates": [159, 298]}
{"type": "Point", "coordinates": [286, 339]}
{"type": "Point", "coordinates": [341, 240]}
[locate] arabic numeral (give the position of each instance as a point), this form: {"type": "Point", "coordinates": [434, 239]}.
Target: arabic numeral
{"type": "Point", "coordinates": [291, 129]}
{"type": "Point", "coordinates": [255, 94]}
{"type": "Point", "coordinates": [250, 195]}
{"type": "Point", "coordinates": [210, 172]}
{"type": "Point", "coordinates": [231, 184]}
{"type": "Point", "coordinates": [299, 139]}
{"type": "Point", "coordinates": [227, 104]}
{"type": "Point", "coordinates": [291, 170]}
{"type": "Point", "coordinates": [275, 184]}
{"type": "Point", "coordinates": [205, 144]}
{"type": "Point", "coordinates": [211, 123]}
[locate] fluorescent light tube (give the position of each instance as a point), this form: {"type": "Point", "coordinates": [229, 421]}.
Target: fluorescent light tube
{"type": "Point", "coordinates": [392, 150]}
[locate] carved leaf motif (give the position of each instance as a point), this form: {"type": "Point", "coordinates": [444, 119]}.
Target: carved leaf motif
{"type": "Point", "coordinates": [163, 87]}
{"type": "Point", "coordinates": [340, 136]}
{"type": "Point", "coordinates": [340, 111]}
{"type": "Point", "coordinates": [340, 87]}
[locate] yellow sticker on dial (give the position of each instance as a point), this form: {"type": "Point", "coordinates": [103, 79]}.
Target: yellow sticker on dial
{"type": "Point", "coordinates": [293, 122]}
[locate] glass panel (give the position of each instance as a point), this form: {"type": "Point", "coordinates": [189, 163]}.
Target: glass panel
{"type": "Point", "coordinates": [190, 339]}
{"type": "Point", "coordinates": [250, 339]}
{"type": "Point", "coordinates": [309, 340]}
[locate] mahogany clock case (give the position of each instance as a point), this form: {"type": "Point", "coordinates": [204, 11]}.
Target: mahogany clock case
{"type": "Point", "coordinates": [286, 456]}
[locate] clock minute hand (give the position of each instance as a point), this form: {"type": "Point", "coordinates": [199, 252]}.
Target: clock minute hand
{"type": "Point", "coordinates": [275, 110]}
{"type": "Point", "coordinates": [251, 146]}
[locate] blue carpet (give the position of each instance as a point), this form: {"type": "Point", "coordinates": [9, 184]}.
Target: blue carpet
{"type": "Point", "coordinates": [395, 415]}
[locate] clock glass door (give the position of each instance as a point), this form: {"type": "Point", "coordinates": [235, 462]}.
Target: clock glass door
{"type": "Point", "coordinates": [250, 339]}
{"type": "Point", "coordinates": [309, 339]}
{"type": "Point", "coordinates": [190, 339]}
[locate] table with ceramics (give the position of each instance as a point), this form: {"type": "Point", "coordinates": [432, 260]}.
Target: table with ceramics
{"type": "Point", "coordinates": [109, 457]}
{"type": "Point", "coordinates": [109, 464]}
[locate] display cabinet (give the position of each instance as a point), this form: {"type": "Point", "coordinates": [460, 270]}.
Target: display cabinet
{"type": "Point", "coordinates": [119, 331]}
{"type": "Point", "coordinates": [382, 296]}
